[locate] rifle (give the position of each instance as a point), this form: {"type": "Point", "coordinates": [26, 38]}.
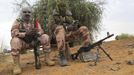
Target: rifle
{"type": "Point", "coordinates": [91, 46]}
{"type": "Point", "coordinates": [33, 37]}
{"type": "Point", "coordinates": [36, 54]}
{"type": "Point", "coordinates": [28, 39]}
{"type": "Point", "coordinates": [36, 46]}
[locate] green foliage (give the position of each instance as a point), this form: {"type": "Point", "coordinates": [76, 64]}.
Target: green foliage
{"type": "Point", "coordinates": [40, 12]}
{"type": "Point", "coordinates": [124, 36]}
{"type": "Point", "coordinates": [88, 13]}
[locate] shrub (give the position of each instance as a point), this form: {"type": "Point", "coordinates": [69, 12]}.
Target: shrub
{"type": "Point", "coordinates": [124, 36]}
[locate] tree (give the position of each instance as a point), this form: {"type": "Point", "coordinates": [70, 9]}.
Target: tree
{"type": "Point", "coordinates": [40, 10]}
{"type": "Point", "coordinates": [87, 12]}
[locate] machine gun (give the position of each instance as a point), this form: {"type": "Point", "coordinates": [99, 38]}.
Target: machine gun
{"type": "Point", "coordinates": [91, 46]}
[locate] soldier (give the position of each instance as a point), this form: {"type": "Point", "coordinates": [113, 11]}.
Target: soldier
{"type": "Point", "coordinates": [18, 43]}
{"type": "Point", "coordinates": [61, 23]}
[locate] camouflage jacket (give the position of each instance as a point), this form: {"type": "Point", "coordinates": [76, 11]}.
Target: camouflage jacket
{"type": "Point", "coordinates": [18, 25]}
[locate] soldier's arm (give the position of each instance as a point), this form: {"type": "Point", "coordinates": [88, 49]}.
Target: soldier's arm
{"type": "Point", "coordinates": [85, 35]}
{"type": "Point", "coordinates": [86, 40]}
{"type": "Point", "coordinates": [15, 30]}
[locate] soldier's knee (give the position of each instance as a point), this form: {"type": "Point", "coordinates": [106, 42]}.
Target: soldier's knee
{"type": "Point", "coordinates": [59, 29]}
{"type": "Point", "coordinates": [44, 39]}
{"type": "Point", "coordinates": [83, 28]}
{"type": "Point", "coordinates": [15, 40]}
{"type": "Point", "coordinates": [15, 52]}
{"type": "Point", "coordinates": [16, 43]}
{"type": "Point", "coordinates": [44, 36]}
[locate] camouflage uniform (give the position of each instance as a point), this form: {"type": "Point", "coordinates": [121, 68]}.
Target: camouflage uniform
{"type": "Point", "coordinates": [57, 22]}
{"type": "Point", "coordinates": [18, 44]}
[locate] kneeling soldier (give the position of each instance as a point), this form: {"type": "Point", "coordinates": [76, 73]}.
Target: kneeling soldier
{"type": "Point", "coordinates": [22, 28]}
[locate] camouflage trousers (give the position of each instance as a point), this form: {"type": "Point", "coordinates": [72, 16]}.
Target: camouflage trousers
{"type": "Point", "coordinates": [62, 36]}
{"type": "Point", "coordinates": [18, 44]}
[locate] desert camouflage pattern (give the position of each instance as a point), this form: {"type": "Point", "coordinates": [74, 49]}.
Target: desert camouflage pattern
{"type": "Point", "coordinates": [18, 44]}
{"type": "Point", "coordinates": [83, 33]}
{"type": "Point", "coordinates": [24, 28]}
{"type": "Point", "coordinates": [57, 25]}
{"type": "Point", "coordinates": [63, 27]}
{"type": "Point", "coordinates": [60, 37]}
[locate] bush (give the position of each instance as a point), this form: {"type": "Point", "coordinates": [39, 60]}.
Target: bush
{"type": "Point", "coordinates": [124, 36]}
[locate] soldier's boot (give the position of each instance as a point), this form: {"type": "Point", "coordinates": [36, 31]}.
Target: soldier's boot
{"type": "Point", "coordinates": [47, 59]}
{"type": "Point", "coordinates": [62, 59]}
{"type": "Point", "coordinates": [16, 68]}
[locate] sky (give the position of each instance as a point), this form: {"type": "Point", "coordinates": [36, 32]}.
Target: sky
{"type": "Point", "coordinates": [118, 16]}
{"type": "Point", "coordinates": [8, 15]}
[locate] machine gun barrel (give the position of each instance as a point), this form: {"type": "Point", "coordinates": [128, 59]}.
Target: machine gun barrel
{"type": "Point", "coordinates": [90, 46]}
{"type": "Point", "coordinates": [100, 41]}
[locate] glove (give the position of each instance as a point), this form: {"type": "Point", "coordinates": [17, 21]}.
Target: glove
{"type": "Point", "coordinates": [31, 32]}
{"type": "Point", "coordinates": [30, 36]}
{"type": "Point", "coordinates": [72, 28]}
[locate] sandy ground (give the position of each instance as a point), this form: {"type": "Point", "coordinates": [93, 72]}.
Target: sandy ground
{"type": "Point", "coordinates": [121, 51]}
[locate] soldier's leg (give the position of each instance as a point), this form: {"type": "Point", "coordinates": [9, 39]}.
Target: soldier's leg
{"type": "Point", "coordinates": [45, 42]}
{"type": "Point", "coordinates": [84, 34]}
{"type": "Point", "coordinates": [15, 50]}
{"type": "Point", "coordinates": [60, 38]}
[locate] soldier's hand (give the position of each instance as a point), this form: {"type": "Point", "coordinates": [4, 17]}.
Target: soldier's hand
{"type": "Point", "coordinates": [31, 32]}
{"type": "Point", "coordinates": [72, 28]}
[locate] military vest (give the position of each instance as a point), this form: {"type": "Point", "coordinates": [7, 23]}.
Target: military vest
{"type": "Point", "coordinates": [22, 28]}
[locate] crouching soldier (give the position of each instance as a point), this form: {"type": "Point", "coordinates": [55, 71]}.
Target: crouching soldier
{"type": "Point", "coordinates": [22, 28]}
{"type": "Point", "coordinates": [63, 26]}
{"type": "Point", "coordinates": [84, 34]}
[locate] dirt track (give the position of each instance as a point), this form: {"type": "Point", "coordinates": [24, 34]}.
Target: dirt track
{"type": "Point", "coordinates": [121, 51]}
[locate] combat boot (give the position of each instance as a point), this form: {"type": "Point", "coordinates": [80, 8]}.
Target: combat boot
{"type": "Point", "coordinates": [16, 68]}
{"type": "Point", "coordinates": [62, 59]}
{"type": "Point", "coordinates": [47, 59]}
